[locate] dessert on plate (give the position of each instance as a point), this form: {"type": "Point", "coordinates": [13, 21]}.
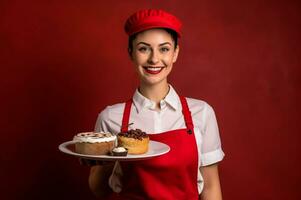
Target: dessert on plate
{"type": "Point", "coordinates": [119, 151]}
{"type": "Point", "coordinates": [135, 141]}
{"type": "Point", "coordinates": [92, 143]}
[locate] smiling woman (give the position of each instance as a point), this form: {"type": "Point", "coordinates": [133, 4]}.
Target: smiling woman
{"type": "Point", "coordinates": [153, 55]}
{"type": "Point", "coordinates": [187, 125]}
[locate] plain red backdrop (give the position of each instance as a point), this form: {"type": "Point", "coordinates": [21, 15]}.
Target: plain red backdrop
{"type": "Point", "coordinates": [62, 62]}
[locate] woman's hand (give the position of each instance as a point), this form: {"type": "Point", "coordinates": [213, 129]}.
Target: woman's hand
{"type": "Point", "coordinates": [99, 176]}
{"type": "Point", "coordinates": [90, 163]}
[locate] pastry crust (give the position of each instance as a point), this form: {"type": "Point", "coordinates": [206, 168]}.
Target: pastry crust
{"type": "Point", "coordinates": [101, 148]}
{"type": "Point", "coordinates": [134, 146]}
{"type": "Point", "coordinates": [91, 143]}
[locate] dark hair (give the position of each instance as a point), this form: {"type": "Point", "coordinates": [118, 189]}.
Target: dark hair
{"type": "Point", "coordinates": [171, 32]}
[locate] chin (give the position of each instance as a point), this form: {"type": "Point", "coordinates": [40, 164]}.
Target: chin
{"type": "Point", "coordinates": [153, 79]}
{"type": "Point", "coordinates": [149, 81]}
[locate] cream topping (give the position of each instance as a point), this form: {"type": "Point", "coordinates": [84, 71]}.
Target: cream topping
{"type": "Point", "coordinates": [119, 149]}
{"type": "Point", "coordinates": [92, 137]}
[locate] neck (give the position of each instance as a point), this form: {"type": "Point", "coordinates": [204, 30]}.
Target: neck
{"type": "Point", "coordinates": [155, 92]}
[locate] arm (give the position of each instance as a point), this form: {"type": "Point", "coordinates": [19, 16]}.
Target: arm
{"type": "Point", "coordinates": [98, 179]}
{"type": "Point", "coordinates": [212, 189]}
{"type": "Point", "coordinates": [101, 172]}
{"type": "Point", "coordinates": [211, 154]}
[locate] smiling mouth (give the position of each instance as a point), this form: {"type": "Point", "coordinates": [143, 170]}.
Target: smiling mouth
{"type": "Point", "coordinates": [153, 70]}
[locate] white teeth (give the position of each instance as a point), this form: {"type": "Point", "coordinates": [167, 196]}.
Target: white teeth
{"type": "Point", "coordinates": [155, 69]}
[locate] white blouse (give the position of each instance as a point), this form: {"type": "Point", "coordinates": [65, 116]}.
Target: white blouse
{"type": "Point", "coordinates": [144, 116]}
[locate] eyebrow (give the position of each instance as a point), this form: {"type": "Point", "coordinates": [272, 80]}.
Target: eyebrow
{"type": "Point", "coordinates": [150, 45]}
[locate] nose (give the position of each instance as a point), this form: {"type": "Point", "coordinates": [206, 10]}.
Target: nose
{"type": "Point", "coordinates": [153, 57]}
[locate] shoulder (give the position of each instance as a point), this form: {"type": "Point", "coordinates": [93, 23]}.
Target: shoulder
{"type": "Point", "coordinates": [202, 113]}
{"type": "Point", "coordinates": [197, 105]}
{"type": "Point", "coordinates": [115, 109]}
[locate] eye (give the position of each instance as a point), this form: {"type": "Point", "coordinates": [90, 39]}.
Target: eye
{"type": "Point", "coordinates": [143, 49]}
{"type": "Point", "coordinates": [164, 49]}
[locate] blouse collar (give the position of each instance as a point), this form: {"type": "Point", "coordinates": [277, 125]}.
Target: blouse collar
{"type": "Point", "coordinates": [171, 99]}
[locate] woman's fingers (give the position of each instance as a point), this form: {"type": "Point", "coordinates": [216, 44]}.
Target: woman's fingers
{"type": "Point", "coordinates": [88, 162]}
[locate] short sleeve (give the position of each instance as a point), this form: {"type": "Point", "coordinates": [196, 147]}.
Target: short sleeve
{"type": "Point", "coordinates": [211, 144]}
{"type": "Point", "coordinates": [102, 121]}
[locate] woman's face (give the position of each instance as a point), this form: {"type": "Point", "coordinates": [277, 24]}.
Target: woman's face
{"type": "Point", "coordinates": [153, 55]}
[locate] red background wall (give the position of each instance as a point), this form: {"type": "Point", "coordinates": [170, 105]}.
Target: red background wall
{"type": "Point", "coordinates": [62, 62]}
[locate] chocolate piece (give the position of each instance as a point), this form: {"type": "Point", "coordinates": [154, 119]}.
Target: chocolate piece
{"type": "Point", "coordinates": [136, 134]}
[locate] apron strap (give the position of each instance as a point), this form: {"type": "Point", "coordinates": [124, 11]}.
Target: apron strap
{"type": "Point", "coordinates": [126, 116]}
{"type": "Point", "coordinates": [187, 115]}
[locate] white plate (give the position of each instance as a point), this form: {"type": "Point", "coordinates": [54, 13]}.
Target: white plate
{"type": "Point", "coordinates": [155, 149]}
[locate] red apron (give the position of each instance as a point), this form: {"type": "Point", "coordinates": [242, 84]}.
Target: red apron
{"type": "Point", "coordinates": [172, 176]}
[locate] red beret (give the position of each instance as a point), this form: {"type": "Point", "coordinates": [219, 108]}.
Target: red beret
{"type": "Point", "coordinates": [151, 18]}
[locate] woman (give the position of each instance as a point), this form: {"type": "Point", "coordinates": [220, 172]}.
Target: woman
{"type": "Point", "coordinates": [187, 125]}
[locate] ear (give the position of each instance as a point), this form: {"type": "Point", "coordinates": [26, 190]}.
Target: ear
{"type": "Point", "coordinates": [176, 53]}
{"type": "Point", "coordinates": [130, 54]}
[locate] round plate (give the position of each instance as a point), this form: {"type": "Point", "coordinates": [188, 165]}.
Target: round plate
{"type": "Point", "coordinates": [154, 149]}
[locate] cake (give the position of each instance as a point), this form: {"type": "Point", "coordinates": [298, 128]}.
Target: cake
{"type": "Point", "coordinates": [135, 141]}
{"type": "Point", "coordinates": [94, 143]}
{"type": "Point", "coordinates": [119, 151]}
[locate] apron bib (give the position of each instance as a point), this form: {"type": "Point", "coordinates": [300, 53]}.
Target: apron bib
{"type": "Point", "coordinates": [172, 176]}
